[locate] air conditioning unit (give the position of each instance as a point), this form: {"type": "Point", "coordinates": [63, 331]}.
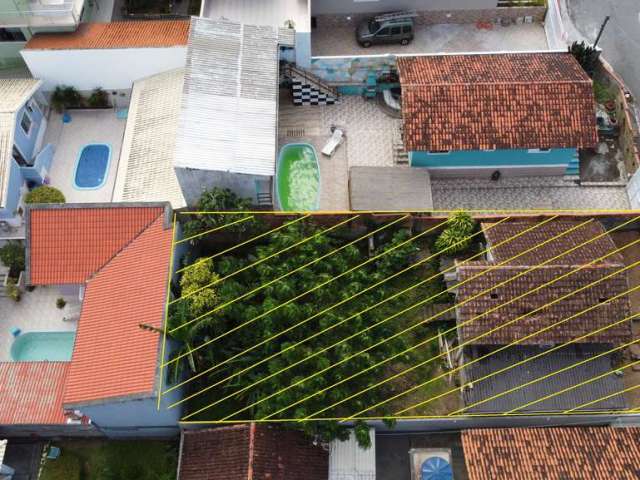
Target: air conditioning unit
{"type": "Point", "coordinates": [430, 464]}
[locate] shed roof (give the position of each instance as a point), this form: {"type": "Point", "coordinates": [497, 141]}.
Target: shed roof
{"type": "Point", "coordinates": [571, 453]}
{"type": "Point", "coordinates": [13, 95]}
{"type": "Point", "coordinates": [250, 452]}
{"type": "Point", "coordinates": [145, 171]}
{"type": "Point", "coordinates": [31, 392]}
{"type": "Point", "coordinates": [513, 241]}
{"type": "Point", "coordinates": [113, 357]}
{"type": "Point", "coordinates": [512, 378]}
{"type": "Point", "coordinates": [501, 101]}
{"type": "Point", "coordinates": [124, 34]}
{"type": "Point", "coordinates": [229, 109]}
{"type": "Point", "coordinates": [526, 294]}
{"type": "Point", "coordinates": [70, 243]}
{"type": "Point", "coordinates": [390, 188]}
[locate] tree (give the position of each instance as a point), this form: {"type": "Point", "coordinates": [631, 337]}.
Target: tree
{"type": "Point", "coordinates": [586, 55]}
{"type": "Point", "coordinates": [219, 200]}
{"type": "Point", "coordinates": [12, 255]}
{"type": "Point", "coordinates": [247, 378]}
{"type": "Point", "coordinates": [455, 237]}
{"type": "Point", "coordinates": [44, 194]}
{"type": "Point", "coordinates": [196, 286]}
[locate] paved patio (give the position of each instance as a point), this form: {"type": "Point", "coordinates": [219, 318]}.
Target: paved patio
{"type": "Point", "coordinates": [35, 312]}
{"type": "Point", "coordinates": [446, 38]}
{"type": "Point", "coordinates": [87, 126]}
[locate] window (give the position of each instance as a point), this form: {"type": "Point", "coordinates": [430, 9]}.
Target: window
{"type": "Point", "coordinates": [439, 152]}
{"type": "Point", "coordinates": [26, 123]}
{"type": "Point", "coordinates": [384, 32]}
{"type": "Point", "coordinates": [12, 35]}
{"type": "Point", "coordinates": [406, 29]}
{"type": "Point", "coordinates": [17, 156]}
{"type": "Point", "coordinates": [396, 31]}
{"type": "Point", "coordinates": [539, 150]}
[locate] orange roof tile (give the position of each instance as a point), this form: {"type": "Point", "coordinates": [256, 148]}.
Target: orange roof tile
{"type": "Point", "coordinates": [501, 101]}
{"type": "Point", "coordinates": [31, 392]}
{"type": "Point", "coordinates": [113, 356]}
{"type": "Point", "coordinates": [594, 453]}
{"type": "Point", "coordinates": [135, 34]}
{"type": "Point", "coordinates": [67, 245]}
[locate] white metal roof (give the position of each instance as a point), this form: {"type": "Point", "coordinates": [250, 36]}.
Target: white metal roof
{"type": "Point", "coordinates": [348, 461]}
{"type": "Point", "coordinates": [145, 171]}
{"type": "Point", "coordinates": [14, 92]}
{"type": "Point", "coordinates": [229, 115]}
{"type": "Point", "coordinates": [274, 13]}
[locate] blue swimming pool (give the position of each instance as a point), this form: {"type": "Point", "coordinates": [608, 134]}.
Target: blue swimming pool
{"type": "Point", "coordinates": [92, 166]}
{"type": "Point", "coordinates": [40, 346]}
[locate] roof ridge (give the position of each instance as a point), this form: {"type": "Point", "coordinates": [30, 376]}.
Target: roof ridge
{"type": "Point", "coordinates": [500, 82]}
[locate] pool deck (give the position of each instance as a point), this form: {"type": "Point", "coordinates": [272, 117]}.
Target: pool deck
{"type": "Point", "coordinates": [35, 312]}
{"type": "Point", "coordinates": [86, 127]}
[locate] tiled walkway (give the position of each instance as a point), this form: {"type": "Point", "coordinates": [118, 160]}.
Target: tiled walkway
{"type": "Point", "coordinates": [448, 38]}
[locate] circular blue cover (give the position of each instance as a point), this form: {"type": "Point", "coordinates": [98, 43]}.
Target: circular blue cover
{"type": "Point", "coordinates": [436, 468]}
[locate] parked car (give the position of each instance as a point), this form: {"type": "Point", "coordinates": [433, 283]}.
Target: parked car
{"type": "Point", "coordinates": [381, 30]}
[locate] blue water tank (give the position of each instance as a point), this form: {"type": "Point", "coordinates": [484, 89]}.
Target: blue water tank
{"type": "Point", "coordinates": [436, 468]}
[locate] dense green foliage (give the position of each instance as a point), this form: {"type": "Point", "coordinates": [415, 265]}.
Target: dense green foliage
{"type": "Point", "coordinates": [44, 194]}
{"type": "Point", "coordinates": [12, 256]}
{"type": "Point", "coordinates": [121, 460]}
{"type": "Point", "coordinates": [236, 360]}
{"type": "Point", "coordinates": [455, 237]}
{"type": "Point", "coordinates": [64, 97]}
{"type": "Point", "coordinates": [220, 200]}
{"type": "Point", "coordinates": [586, 55]}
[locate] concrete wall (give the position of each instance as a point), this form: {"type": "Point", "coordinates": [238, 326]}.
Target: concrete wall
{"type": "Point", "coordinates": [520, 162]}
{"type": "Point", "coordinates": [111, 69]}
{"type": "Point", "coordinates": [320, 7]}
{"type": "Point", "coordinates": [351, 70]}
{"type": "Point", "coordinates": [194, 181]}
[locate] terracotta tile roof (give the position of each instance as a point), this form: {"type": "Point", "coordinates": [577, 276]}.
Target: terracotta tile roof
{"type": "Point", "coordinates": [113, 356]}
{"type": "Point", "coordinates": [585, 323]}
{"type": "Point", "coordinates": [67, 245]}
{"type": "Point", "coordinates": [31, 392]}
{"type": "Point", "coordinates": [502, 101]}
{"type": "Point", "coordinates": [134, 34]}
{"type": "Point", "coordinates": [496, 234]}
{"type": "Point", "coordinates": [251, 452]}
{"type": "Point", "coordinates": [594, 453]}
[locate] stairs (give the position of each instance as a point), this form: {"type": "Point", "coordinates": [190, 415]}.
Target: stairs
{"type": "Point", "coordinates": [3, 279]}
{"type": "Point", "coordinates": [400, 155]}
{"type": "Point", "coordinates": [308, 88]}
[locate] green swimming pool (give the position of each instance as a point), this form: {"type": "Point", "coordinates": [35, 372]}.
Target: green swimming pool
{"type": "Point", "coordinates": [40, 346]}
{"type": "Point", "coordinates": [298, 178]}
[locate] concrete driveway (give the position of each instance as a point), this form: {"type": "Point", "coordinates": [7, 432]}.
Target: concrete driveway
{"type": "Point", "coordinates": [620, 41]}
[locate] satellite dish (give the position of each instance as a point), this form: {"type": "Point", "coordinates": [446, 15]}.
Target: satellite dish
{"type": "Point", "coordinates": [436, 468]}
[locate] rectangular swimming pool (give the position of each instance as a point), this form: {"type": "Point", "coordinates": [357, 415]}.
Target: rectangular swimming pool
{"type": "Point", "coordinates": [92, 166]}
{"type": "Point", "coordinates": [41, 346]}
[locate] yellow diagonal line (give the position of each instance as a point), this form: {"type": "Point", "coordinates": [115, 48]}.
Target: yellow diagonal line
{"type": "Point", "coordinates": [586, 382]}
{"type": "Point", "coordinates": [230, 249]}
{"type": "Point", "coordinates": [517, 364]}
{"type": "Point", "coordinates": [165, 320]}
{"type": "Point", "coordinates": [606, 397]}
{"type": "Point", "coordinates": [410, 328]}
{"type": "Point", "coordinates": [270, 282]}
{"type": "Point", "coordinates": [429, 360]}
{"type": "Point", "coordinates": [208, 342]}
{"type": "Point", "coordinates": [210, 369]}
{"type": "Point", "coordinates": [221, 227]}
{"type": "Point", "coordinates": [392, 212]}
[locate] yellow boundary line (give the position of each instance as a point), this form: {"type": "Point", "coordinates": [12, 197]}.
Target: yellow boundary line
{"type": "Point", "coordinates": [462, 345]}
{"type": "Point", "coordinates": [410, 328]}
{"type": "Point", "coordinates": [586, 382]}
{"type": "Point", "coordinates": [343, 212]}
{"type": "Point", "coordinates": [606, 397]}
{"type": "Point", "coordinates": [166, 310]}
{"type": "Point", "coordinates": [270, 282]}
{"type": "Point", "coordinates": [210, 369]}
{"type": "Point", "coordinates": [207, 232]}
{"type": "Point", "coordinates": [521, 362]}
{"type": "Point", "coordinates": [230, 249]}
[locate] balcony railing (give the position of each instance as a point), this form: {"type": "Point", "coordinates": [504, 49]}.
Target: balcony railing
{"type": "Point", "coordinates": [37, 13]}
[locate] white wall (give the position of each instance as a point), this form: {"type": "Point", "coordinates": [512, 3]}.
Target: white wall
{"type": "Point", "coordinates": [111, 69]}
{"type": "Point", "coordinates": [332, 7]}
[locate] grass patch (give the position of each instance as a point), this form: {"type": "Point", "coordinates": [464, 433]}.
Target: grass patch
{"type": "Point", "coordinates": [602, 92]}
{"type": "Point", "coordinates": [112, 460]}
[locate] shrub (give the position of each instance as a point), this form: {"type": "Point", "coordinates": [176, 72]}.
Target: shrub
{"type": "Point", "coordinates": [586, 55]}
{"type": "Point", "coordinates": [44, 194]}
{"type": "Point", "coordinates": [12, 255]}
{"type": "Point", "coordinates": [455, 237]}
{"type": "Point", "coordinates": [602, 93]}
{"type": "Point", "coordinates": [64, 97]}
{"type": "Point", "coordinates": [98, 99]}
{"type": "Point", "coordinates": [60, 303]}
{"type": "Point", "coordinates": [13, 292]}
{"type": "Point", "coordinates": [196, 282]}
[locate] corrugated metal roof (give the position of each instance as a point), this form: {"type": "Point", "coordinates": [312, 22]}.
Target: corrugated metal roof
{"type": "Point", "coordinates": [274, 13]}
{"type": "Point", "coordinates": [228, 120]}
{"type": "Point", "coordinates": [534, 369]}
{"type": "Point", "coordinates": [14, 92]}
{"type": "Point", "coordinates": [31, 392]}
{"type": "Point", "coordinates": [145, 171]}
{"type": "Point", "coordinates": [347, 460]}
{"type": "Point", "coordinates": [3, 447]}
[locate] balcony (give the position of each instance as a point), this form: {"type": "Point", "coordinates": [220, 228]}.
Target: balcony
{"type": "Point", "coordinates": [40, 13]}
